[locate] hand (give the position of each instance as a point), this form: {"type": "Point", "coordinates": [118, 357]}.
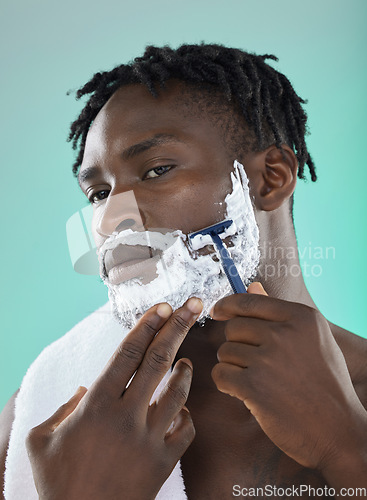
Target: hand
{"type": "Point", "coordinates": [280, 358]}
{"type": "Point", "coordinates": [108, 442]}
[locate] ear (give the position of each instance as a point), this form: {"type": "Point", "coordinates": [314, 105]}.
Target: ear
{"type": "Point", "coordinates": [278, 178]}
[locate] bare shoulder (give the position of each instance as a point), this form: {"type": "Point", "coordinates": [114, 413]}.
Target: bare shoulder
{"type": "Point", "coordinates": [6, 421]}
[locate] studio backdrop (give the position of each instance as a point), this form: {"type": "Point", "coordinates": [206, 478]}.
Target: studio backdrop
{"type": "Point", "coordinates": [49, 48]}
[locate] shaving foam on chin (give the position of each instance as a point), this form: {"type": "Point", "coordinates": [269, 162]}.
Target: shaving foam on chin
{"type": "Point", "coordinates": [180, 275]}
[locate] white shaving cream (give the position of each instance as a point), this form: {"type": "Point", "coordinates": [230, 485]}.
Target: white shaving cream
{"type": "Point", "coordinates": [182, 273]}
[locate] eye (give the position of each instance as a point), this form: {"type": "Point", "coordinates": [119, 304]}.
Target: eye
{"type": "Point", "coordinates": [157, 171]}
{"type": "Point", "coordinates": [98, 196]}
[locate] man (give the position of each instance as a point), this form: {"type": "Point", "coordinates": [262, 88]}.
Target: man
{"type": "Point", "coordinates": [168, 128]}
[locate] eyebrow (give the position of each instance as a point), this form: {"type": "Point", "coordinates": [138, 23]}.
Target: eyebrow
{"type": "Point", "coordinates": [132, 151]}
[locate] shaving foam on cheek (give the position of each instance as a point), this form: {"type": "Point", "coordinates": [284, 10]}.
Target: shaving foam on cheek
{"type": "Point", "coordinates": [179, 274]}
{"type": "Point", "coordinates": [245, 251]}
{"type": "Point", "coordinates": [243, 232]}
{"type": "Point", "coordinates": [239, 208]}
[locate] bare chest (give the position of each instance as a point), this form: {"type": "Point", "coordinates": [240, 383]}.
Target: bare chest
{"type": "Point", "coordinates": [224, 462]}
{"type": "Point", "coordinates": [225, 480]}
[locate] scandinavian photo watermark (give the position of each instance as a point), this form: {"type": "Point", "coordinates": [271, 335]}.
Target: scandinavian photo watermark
{"type": "Point", "coordinates": [275, 261]}
{"type": "Point", "coordinates": [280, 261]}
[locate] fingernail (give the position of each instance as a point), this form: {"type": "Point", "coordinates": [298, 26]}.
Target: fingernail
{"type": "Point", "coordinates": [187, 362]}
{"type": "Point", "coordinates": [80, 390]}
{"type": "Point", "coordinates": [164, 310]}
{"type": "Point", "coordinates": [257, 288]}
{"type": "Point", "coordinates": [262, 288]}
{"type": "Point", "coordinates": [194, 305]}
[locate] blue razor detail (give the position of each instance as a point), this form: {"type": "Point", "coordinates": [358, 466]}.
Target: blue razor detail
{"type": "Point", "coordinates": [228, 265]}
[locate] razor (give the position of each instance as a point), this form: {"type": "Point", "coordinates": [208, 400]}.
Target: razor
{"type": "Point", "coordinates": [228, 265]}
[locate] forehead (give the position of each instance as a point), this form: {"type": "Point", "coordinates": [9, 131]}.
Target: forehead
{"type": "Point", "coordinates": [133, 114]}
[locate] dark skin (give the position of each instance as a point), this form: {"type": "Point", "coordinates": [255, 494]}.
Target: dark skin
{"type": "Point", "coordinates": [111, 430]}
{"type": "Point", "coordinates": [296, 414]}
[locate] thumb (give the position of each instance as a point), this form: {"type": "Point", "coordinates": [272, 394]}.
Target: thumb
{"type": "Point", "coordinates": [64, 411]}
{"type": "Point", "coordinates": [257, 288]}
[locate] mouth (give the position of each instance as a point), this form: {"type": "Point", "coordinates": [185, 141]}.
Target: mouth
{"type": "Point", "coordinates": [126, 262]}
{"type": "Point", "coordinates": [145, 269]}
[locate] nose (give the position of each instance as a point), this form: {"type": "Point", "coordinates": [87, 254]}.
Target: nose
{"type": "Point", "coordinates": [118, 213]}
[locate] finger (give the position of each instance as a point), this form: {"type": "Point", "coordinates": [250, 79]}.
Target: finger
{"type": "Point", "coordinates": [39, 436]}
{"type": "Point", "coordinates": [229, 379]}
{"type": "Point", "coordinates": [63, 412]}
{"type": "Point", "coordinates": [252, 305]}
{"type": "Point", "coordinates": [250, 331]}
{"type": "Point", "coordinates": [161, 354]}
{"type": "Point", "coordinates": [129, 354]}
{"type": "Point", "coordinates": [256, 287]}
{"type": "Point", "coordinates": [173, 397]}
{"type": "Point", "coordinates": [182, 433]}
{"type": "Point", "coordinates": [238, 354]}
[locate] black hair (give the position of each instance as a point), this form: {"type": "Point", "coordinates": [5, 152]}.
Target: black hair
{"type": "Point", "coordinates": [271, 108]}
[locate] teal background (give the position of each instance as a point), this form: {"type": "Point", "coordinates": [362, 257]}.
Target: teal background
{"type": "Point", "coordinates": [48, 47]}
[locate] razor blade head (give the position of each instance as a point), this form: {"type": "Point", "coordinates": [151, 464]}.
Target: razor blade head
{"type": "Point", "coordinates": [218, 228]}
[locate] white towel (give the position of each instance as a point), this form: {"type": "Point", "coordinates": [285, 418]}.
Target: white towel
{"type": "Point", "coordinates": [75, 359]}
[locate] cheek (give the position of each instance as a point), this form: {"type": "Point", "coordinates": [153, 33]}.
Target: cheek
{"type": "Point", "coordinates": [98, 239]}
{"type": "Point", "coordinates": [193, 206]}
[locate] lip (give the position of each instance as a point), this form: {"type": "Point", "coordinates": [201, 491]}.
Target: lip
{"type": "Point", "coordinates": [136, 268]}
{"type": "Point", "coordinates": [125, 254]}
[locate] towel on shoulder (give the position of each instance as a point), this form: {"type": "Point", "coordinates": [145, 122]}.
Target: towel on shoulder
{"type": "Point", "coordinates": [75, 359]}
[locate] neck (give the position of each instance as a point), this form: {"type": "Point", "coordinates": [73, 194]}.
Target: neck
{"type": "Point", "coordinates": [280, 271]}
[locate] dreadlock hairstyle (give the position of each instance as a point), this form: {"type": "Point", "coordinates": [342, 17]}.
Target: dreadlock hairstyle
{"type": "Point", "coordinates": [271, 108]}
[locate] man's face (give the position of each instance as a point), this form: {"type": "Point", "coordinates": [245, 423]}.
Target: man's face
{"type": "Point", "coordinates": [155, 170]}
{"type": "Point", "coordinates": [176, 165]}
